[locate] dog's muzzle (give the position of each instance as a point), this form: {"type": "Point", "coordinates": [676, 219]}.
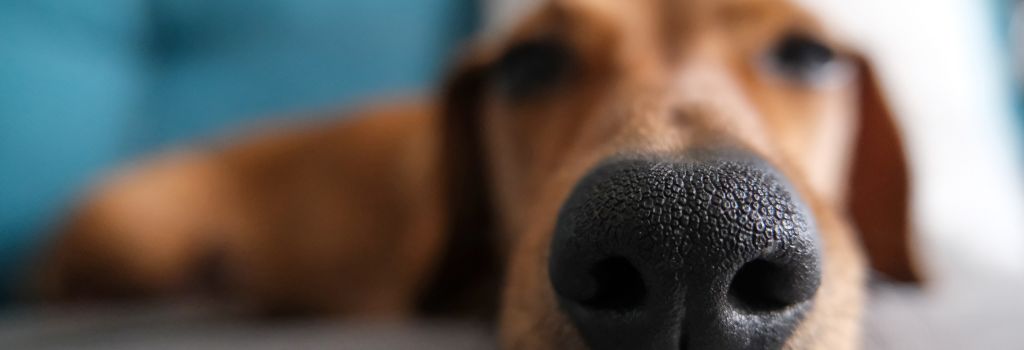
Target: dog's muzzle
{"type": "Point", "coordinates": [711, 250]}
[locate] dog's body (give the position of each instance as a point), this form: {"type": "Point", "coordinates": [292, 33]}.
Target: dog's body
{"type": "Point", "coordinates": [433, 205]}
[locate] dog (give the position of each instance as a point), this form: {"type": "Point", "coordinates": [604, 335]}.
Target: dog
{"type": "Point", "coordinates": [609, 175]}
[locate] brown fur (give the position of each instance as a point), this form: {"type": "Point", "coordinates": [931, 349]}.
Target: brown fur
{"type": "Point", "coordinates": [428, 207]}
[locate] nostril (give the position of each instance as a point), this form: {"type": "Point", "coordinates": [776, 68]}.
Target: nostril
{"type": "Point", "coordinates": [764, 286]}
{"type": "Point", "coordinates": [619, 285]}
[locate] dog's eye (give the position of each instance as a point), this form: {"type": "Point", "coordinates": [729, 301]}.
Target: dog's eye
{"type": "Point", "coordinates": [801, 58]}
{"type": "Point", "coordinates": [530, 68]}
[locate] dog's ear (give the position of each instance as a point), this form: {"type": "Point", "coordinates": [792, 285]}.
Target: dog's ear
{"type": "Point", "coordinates": [468, 277]}
{"type": "Point", "coordinates": [879, 191]}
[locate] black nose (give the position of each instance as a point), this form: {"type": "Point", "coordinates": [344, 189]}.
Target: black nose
{"type": "Point", "coordinates": [708, 251]}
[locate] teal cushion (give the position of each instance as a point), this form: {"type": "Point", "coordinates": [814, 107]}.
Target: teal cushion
{"type": "Point", "coordinates": [73, 81]}
{"type": "Point", "coordinates": [222, 62]}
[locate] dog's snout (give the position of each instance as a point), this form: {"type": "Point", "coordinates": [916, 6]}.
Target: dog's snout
{"type": "Point", "coordinates": [709, 250]}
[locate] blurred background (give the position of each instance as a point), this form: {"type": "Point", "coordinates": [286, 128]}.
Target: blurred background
{"type": "Point", "coordinates": [86, 86]}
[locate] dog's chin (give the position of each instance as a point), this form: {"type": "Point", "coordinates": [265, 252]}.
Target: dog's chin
{"type": "Point", "coordinates": [530, 317]}
{"type": "Point", "coordinates": [544, 330]}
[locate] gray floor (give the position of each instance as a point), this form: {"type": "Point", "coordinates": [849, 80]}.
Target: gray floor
{"type": "Point", "coordinates": [188, 326]}
{"type": "Point", "coordinates": [977, 315]}
{"type": "Point", "coordinates": [980, 316]}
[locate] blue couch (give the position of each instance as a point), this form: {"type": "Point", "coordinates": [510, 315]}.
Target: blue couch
{"type": "Point", "coordinates": [87, 85]}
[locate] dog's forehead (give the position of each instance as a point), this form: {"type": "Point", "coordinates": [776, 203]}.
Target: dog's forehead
{"type": "Point", "coordinates": [670, 23]}
{"type": "Point", "coordinates": [689, 13]}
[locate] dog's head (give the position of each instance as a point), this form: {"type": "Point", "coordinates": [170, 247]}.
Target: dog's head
{"type": "Point", "coordinates": [677, 174]}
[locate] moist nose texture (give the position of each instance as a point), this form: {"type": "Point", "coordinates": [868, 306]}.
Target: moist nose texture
{"type": "Point", "coordinates": [708, 250]}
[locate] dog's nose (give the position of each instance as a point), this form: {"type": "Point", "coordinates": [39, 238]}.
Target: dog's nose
{"type": "Point", "coordinates": [710, 251]}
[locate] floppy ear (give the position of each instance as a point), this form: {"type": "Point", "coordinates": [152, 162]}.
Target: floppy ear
{"type": "Point", "coordinates": [879, 192]}
{"type": "Point", "coordinates": [468, 277]}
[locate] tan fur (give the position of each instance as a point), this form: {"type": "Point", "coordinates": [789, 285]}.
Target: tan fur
{"type": "Point", "coordinates": [365, 217]}
{"type": "Point", "coordinates": [294, 219]}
